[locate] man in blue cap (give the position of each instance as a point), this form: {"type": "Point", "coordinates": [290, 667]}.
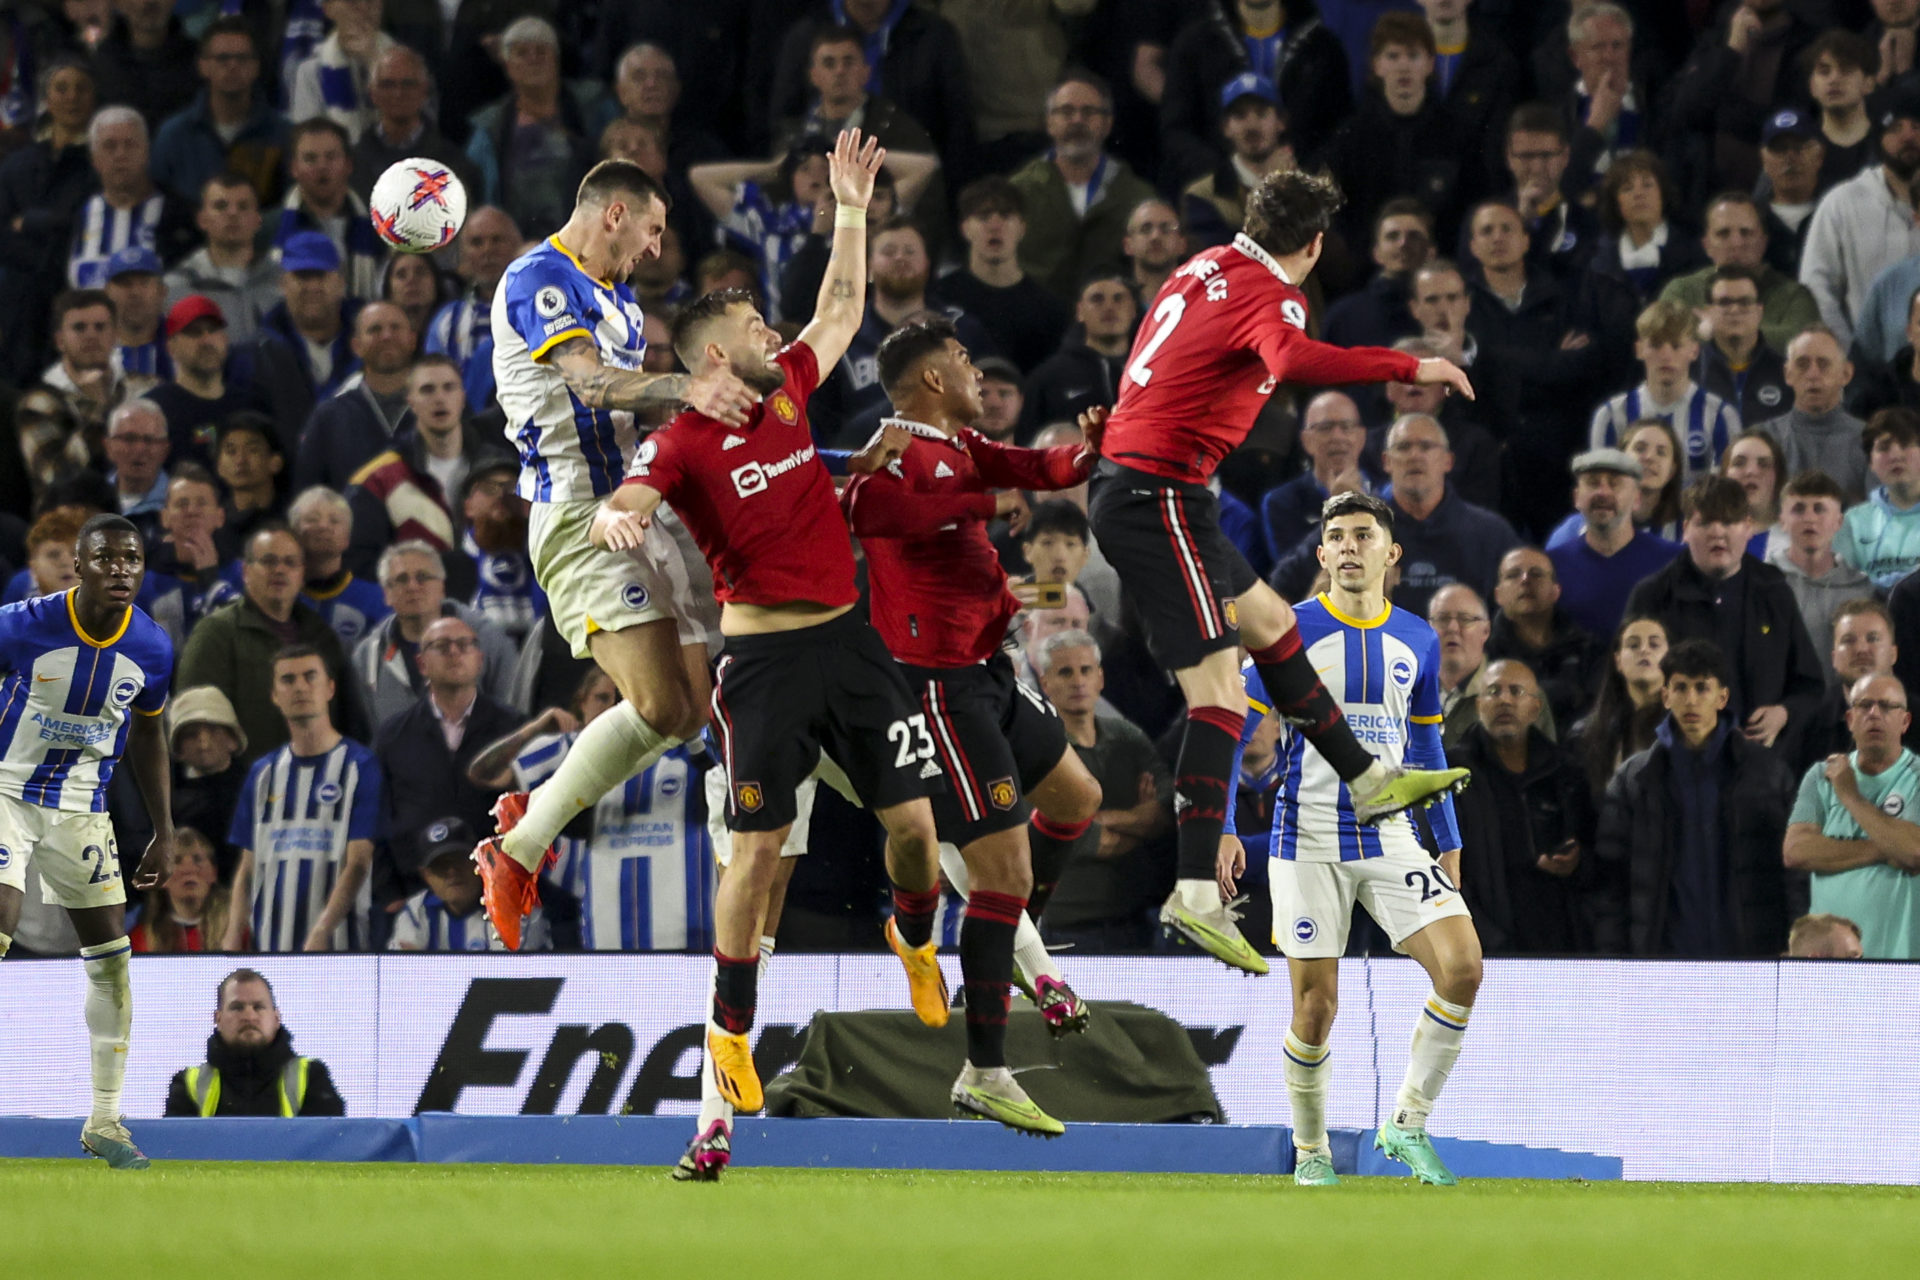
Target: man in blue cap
{"type": "Point", "coordinates": [139, 295]}
{"type": "Point", "coordinates": [312, 355]}
{"type": "Point", "coordinates": [1254, 127]}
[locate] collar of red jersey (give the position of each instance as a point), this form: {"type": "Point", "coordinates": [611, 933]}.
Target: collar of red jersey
{"type": "Point", "coordinates": [924, 431]}
{"type": "Point", "coordinates": [1244, 243]}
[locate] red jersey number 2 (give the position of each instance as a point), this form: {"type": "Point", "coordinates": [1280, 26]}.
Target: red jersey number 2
{"type": "Point", "coordinates": [1167, 316]}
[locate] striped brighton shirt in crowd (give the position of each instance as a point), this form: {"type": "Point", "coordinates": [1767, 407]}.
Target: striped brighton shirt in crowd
{"type": "Point", "coordinates": [645, 877]}
{"type": "Point", "coordinates": [425, 924]}
{"type": "Point", "coordinates": [297, 814]}
{"type": "Point", "coordinates": [1705, 423]}
{"type": "Point", "coordinates": [68, 700]}
{"type": "Point", "coordinates": [100, 231]}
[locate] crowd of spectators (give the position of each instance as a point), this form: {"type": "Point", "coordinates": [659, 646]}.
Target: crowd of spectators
{"type": "Point", "coordinates": [1668, 546]}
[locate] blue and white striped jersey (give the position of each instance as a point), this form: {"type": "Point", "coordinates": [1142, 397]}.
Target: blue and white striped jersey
{"type": "Point", "coordinates": [68, 699]}
{"type": "Point", "coordinates": [568, 451]}
{"type": "Point", "coordinates": [100, 231]}
{"type": "Point", "coordinates": [1385, 673]}
{"type": "Point", "coordinates": [459, 327]}
{"type": "Point", "coordinates": [425, 924]}
{"type": "Point", "coordinates": [297, 813]}
{"type": "Point", "coordinates": [645, 878]}
{"type": "Point", "coordinates": [1705, 423]}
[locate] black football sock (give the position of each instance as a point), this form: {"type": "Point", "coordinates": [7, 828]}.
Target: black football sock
{"type": "Point", "coordinates": [1200, 787]}
{"type": "Point", "coordinates": [1049, 843]}
{"type": "Point", "coordinates": [735, 989]}
{"type": "Point", "coordinates": [1299, 697]}
{"type": "Point", "coordinates": [913, 915]}
{"type": "Point", "coordinates": [986, 969]}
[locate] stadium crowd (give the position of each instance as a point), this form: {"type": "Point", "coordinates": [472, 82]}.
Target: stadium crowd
{"type": "Point", "coordinates": [1668, 547]}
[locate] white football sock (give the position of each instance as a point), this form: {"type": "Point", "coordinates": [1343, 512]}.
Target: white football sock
{"type": "Point", "coordinates": [1436, 1043]}
{"type": "Point", "coordinates": [1306, 1072]}
{"type": "Point", "coordinates": [109, 1009]}
{"type": "Point", "coordinates": [1202, 897]}
{"type": "Point", "coordinates": [1031, 954]}
{"type": "Point", "coordinates": [617, 745]}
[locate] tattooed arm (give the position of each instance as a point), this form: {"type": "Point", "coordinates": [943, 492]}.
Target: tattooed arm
{"type": "Point", "coordinates": [843, 292]}
{"type": "Point", "coordinates": [716, 393]}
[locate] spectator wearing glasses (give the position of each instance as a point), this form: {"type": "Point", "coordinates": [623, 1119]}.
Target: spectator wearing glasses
{"type": "Point", "coordinates": [400, 127]}
{"type": "Point", "coordinates": [1855, 825]}
{"type": "Point", "coordinates": [1333, 438]}
{"type": "Point", "coordinates": [136, 449]}
{"type": "Point", "coordinates": [1736, 363]}
{"type": "Point", "coordinates": [1078, 195]}
{"type": "Point", "coordinates": [386, 661]}
{"type": "Point", "coordinates": [1564, 658]}
{"type": "Point", "coordinates": [1561, 233]}
{"type": "Point", "coordinates": [233, 648]}
{"type": "Point", "coordinates": [1526, 823]}
{"type": "Point", "coordinates": [426, 749]}
{"type": "Point", "coordinates": [1154, 245]}
{"type": "Point", "coordinates": [1459, 617]}
{"type": "Point", "coordinates": [1861, 645]}
{"type": "Point", "coordinates": [231, 126]}
{"type": "Point", "coordinates": [1737, 235]}
{"type": "Point", "coordinates": [1691, 829]}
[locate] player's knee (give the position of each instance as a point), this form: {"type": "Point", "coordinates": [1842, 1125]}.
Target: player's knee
{"type": "Point", "coordinates": [1460, 977]}
{"type": "Point", "coordinates": [1313, 1015]}
{"type": "Point", "coordinates": [1078, 803]}
{"type": "Point", "coordinates": [666, 706]}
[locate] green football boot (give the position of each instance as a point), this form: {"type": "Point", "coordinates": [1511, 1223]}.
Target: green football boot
{"type": "Point", "coordinates": [1414, 1150]}
{"type": "Point", "coordinates": [1314, 1169]}
{"type": "Point", "coordinates": [1399, 789]}
{"type": "Point", "coordinates": [1214, 932]}
{"type": "Point", "coordinates": [993, 1094]}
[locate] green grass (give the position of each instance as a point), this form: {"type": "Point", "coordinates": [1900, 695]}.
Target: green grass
{"type": "Point", "coordinates": [343, 1222]}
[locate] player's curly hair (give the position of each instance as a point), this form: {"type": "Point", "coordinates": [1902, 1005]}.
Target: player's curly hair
{"type": "Point", "coordinates": [1289, 208]}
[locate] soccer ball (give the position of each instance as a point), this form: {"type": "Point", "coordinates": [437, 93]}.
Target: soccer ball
{"type": "Point", "coordinates": [418, 206]}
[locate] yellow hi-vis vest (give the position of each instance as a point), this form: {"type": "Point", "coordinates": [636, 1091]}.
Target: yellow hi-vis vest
{"type": "Point", "coordinates": [203, 1083]}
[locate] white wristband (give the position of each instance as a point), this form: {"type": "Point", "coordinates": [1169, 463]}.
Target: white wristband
{"type": "Point", "coordinates": [845, 217]}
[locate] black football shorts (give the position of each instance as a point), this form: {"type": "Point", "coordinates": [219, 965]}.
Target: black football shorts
{"type": "Point", "coordinates": [995, 738]}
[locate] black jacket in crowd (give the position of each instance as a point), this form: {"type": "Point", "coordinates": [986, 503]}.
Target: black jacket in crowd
{"type": "Point", "coordinates": [1777, 665]}
{"type": "Point", "coordinates": [1315, 89]}
{"type": "Point", "coordinates": [1762, 392]}
{"type": "Point", "coordinates": [1507, 821]}
{"type": "Point", "coordinates": [1638, 854]}
{"type": "Point", "coordinates": [1378, 155]}
{"type": "Point", "coordinates": [425, 782]}
{"type": "Point", "coordinates": [1569, 667]}
{"type": "Point", "coordinates": [1072, 379]}
{"type": "Point", "coordinates": [250, 1082]}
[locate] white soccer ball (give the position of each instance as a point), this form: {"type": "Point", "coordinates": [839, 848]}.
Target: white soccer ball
{"type": "Point", "coordinates": [418, 206]}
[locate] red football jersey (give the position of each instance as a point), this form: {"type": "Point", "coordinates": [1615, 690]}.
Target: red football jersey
{"type": "Point", "coordinates": [938, 593]}
{"type": "Point", "coordinates": [1224, 331]}
{"type": "Point", "coordinates": [755, 497]}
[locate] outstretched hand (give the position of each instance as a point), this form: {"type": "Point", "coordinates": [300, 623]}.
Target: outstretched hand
{"type": "Point", "coordinates": [1093, 425]}
{"type": "Point", "coordinates": [1444, 373]}
{"type": "Point", "coordinates": [852, 166]}
{"type": "Point", "coordinates": [888, 443]}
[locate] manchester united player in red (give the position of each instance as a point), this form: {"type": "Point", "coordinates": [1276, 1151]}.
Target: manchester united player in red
{"type": "Point", "coordinates": [940, 599]}
{"type": "Point", "coordinates": [802, 671]}
{"type": "Point", "coordinates": [1226, 329]}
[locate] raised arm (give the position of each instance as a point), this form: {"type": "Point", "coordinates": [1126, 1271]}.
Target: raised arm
{"type": "Point", "coordinates": [912, 171]}
{"type": "Point", "coordinates": [493, 767]}
{"type": "Point", "coordinates": [842, 304]}
{"type": "Point", "coordinates": [716, 183]}
{"type": "Point", "coordinates": [715, 393]}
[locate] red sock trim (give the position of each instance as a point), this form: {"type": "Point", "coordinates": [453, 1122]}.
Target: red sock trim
{"type": "Point", "coordinates": [1228, 722]}
{"type": "Point", "coordinates": [1061, 831]}
{"type": "Point", "coordinates": [1000, 908]}
{"type": "Point", "coordinates": [751, 962]}
{"type": "Point", "coordinates": [1279, 651]}
{"type": "Point", "coordinates": [923, 903]}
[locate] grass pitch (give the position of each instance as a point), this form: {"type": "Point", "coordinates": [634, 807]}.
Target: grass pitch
{"type": "Point", "coordinates": [335, 1222]}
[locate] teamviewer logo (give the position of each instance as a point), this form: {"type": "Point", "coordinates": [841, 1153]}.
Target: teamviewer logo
{"type": "Point", "coordinates": [749, 480]}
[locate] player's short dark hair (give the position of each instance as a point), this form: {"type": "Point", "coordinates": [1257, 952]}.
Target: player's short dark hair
{"type": "Point", "coordinates": [1897, 422]}
{"type": "Point", "coordinates": [1693, 659]}
{"type": "Point", "coordinates": [107, 523]}
{"type": "Point", "coordinates": [1714, 500]}
{"type": "Point", "coordinates": [1355, 503]}
{"type": "Point", "coordinates": [902, 350]}
{"type": "Point", "coordinates": [242, 975]}
{"type": "Point", "coordinates": [991, 194]}
{"type": "Point", "coordinates": [1056, 515]}
{"type": "Point", "coordinates": [320, 124]}
{"type": "Point", "coordinates": [1289, 208]}
{"type": "Point", "coordinates": [1815, 484]}
{"type": "Point", "coordinates": [297, 653]}
{"type": "Point", "coordinates": [1537, 117]}
{"type": "Point", "coordinates": [70, 300]}
{"type": "Point", "coordinates": [613, 178]}
{"type": "Point", "coordinates": [692, 319]}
